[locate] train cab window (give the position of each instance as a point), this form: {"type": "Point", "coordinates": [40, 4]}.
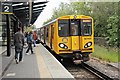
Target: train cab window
{"type": "Point", "coordinates": [63, 28]}
{"type": "Point", "coordinates": [74, 24]}
{"type": "Point", "coordinates": [87, 28]}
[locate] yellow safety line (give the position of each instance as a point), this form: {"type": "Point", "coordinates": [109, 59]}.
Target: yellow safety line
{"type": "Point", "coordinates": [44, 73]}
{"type": "Point", "coordinates": [5, 13]}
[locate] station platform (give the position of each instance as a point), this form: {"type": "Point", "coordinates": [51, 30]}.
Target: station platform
{"type": "Point", "coordinates": [42, 64]}
{"type": "Point", "coordinates": [3, 49]}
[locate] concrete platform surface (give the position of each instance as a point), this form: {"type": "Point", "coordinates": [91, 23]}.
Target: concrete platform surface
{"type": "Point", "coordinates": [3, 49]}
{"type": "Point", "coordinates": [5, 61]}
{"type": "Point", "coordinates": [42, 64]}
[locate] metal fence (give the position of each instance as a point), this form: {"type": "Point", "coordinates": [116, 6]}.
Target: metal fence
{"type": "Point", "coordinates": [101, 41]}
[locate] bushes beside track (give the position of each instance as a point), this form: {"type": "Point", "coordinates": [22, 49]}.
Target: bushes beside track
{"type": "Point", "coordinates": [109, 55]}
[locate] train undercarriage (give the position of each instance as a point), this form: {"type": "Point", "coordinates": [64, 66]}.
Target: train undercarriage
{"type": "Point", "coordinates": [77, 57]}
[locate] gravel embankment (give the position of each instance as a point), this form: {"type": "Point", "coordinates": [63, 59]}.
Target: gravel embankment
{"type": "Point", "coordinates": [104, 67]}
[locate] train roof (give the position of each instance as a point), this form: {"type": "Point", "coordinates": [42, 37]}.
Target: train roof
{"type": "Point", "coordinates": [49, 22]}
{"type": "Point", "coordinates": [74, 17]}
{"type": "Point", "coordinates": [69, 17]}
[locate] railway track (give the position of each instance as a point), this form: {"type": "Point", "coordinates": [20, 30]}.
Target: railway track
{"type": "Point", "coordinates": [82, 71]}
{"type": "Point", "coordinates": [96, 72]}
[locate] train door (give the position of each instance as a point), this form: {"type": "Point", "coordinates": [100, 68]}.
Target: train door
{"type": "Point", "coordinates": [40, 34]}
{"type": "Point", "coordinates": [51, 35]}
{"type": "Point", "coordinates": [74, 31]}
{"type": "Point", "coordinates": [44, 34]}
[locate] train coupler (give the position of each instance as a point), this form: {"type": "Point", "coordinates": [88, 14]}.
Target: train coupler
{"type": "Point", "coordinates": [77, 58]}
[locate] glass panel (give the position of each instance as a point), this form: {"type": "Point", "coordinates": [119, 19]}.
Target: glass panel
{"type": "Point", "coordinates": [87, 28]}
{"type": "Point", "coordinates": [42, 33]}
{"type": "Point", "coordinates": [4, 31]}
{"type": "Point", "coordinates": [63, 28]}
{"type": "Point", "coordinates": [47, 29]}
{"type": "Point", "coordinates": [74, 27]}
{"type": "Point", "coordinates": [12, 30]}
{"type": "Point", "coordinates": [52, 32]}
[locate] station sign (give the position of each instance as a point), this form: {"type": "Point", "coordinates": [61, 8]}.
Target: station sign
{"type": "Point", "coordinates": [6, 8]}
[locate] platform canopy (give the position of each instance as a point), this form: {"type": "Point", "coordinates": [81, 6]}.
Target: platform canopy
{"type": "Point", "coordinates": [27, 11]}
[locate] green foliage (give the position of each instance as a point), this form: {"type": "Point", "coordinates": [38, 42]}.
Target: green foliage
{"type": "Point", "coordinates": [80, 8]}
{"type": "Point", "coordinates": [101, 11]}
{"type": "Point", "coordinates": [33, 26]}
{"type": "Point", "coordinates": [74, 8]}
{"type": "Point", "coordinates": [102, 53]}
{"type": "Point", "coordinates": [47, 21]}
{"type": "Point", "coordinates": [112, 30]}
{"type": "Point", "coordinates": [64, 9]}
{"type": "Point", "coordinates": [30, 28]}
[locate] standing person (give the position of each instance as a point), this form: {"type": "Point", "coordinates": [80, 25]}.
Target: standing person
{"type": "Point", "coordinates": [35, 38]}
{"type": "Point", "coordinates": [29, 42]}
{"type": "Point", "coordinates": [26, 33]}
{"type": "Point", "coordinates": [19, 43]}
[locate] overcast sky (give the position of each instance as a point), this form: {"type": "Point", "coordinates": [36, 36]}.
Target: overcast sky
{"type": "Point", "coordinates": [47, 12]}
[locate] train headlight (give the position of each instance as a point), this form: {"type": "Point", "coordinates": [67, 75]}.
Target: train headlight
{"type": "Point", "coordinates": [62, 45]}
{"type": "Point", "coordinates": [88, 44]}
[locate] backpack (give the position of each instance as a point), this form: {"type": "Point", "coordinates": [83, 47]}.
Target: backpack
{"type": "Point", "coordinates": [35, 36]}
{"type": "Point", "coordinates": [29, 38]}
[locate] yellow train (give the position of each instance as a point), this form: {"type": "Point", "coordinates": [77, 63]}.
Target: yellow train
{"type": "Point", "coordinates": [70, 36]}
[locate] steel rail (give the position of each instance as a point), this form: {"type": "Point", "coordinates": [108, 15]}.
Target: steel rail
{"type": "Point", "coordinates": [89, 68]}
{"type": "Point", "coordinates": [96, 72]}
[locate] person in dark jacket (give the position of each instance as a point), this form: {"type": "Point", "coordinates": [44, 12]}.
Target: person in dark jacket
{"type": "Point", "coordinates": [29, 42]}
{"type": "Point", "coordinates": [19, 43]}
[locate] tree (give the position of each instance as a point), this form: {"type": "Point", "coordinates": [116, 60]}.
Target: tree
{"type": "Point", "coordinates": [101, 11]}
{"type": "Point", "coordinates": [30, 28]}
{"type": "Point", "coordinates": [112, 30]}
{"type": "Point", "coordinates": [64, 9]}
{"type": "Point", "coordinates": [74, 8]}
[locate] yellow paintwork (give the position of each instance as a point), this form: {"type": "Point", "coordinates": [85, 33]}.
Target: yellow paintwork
{"type": "Point", "coordinates": [74, 43]}
{"type": "Point", "coordinates": [55, 39]}
{"type": "Point", "coordinates": [68, 43]}
{"type": "Point", "coordinates": [86, 39]}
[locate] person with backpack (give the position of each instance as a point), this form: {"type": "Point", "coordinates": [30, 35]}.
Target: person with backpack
{"type": "Point", "coordinates": [19, 43]}
{"type": "Point", "coordinates": [29, 42]}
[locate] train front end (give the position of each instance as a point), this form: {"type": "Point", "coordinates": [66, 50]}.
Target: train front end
{"type": "Point", "coordinates": [76, 37]}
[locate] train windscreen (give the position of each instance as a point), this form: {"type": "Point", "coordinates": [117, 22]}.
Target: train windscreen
{"type": "Point", "coordinates": [86, 27]}
{"type": "Point", "coordinates": [74, 26]}
{"type": "Point", "coordinates": [63, 28]}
